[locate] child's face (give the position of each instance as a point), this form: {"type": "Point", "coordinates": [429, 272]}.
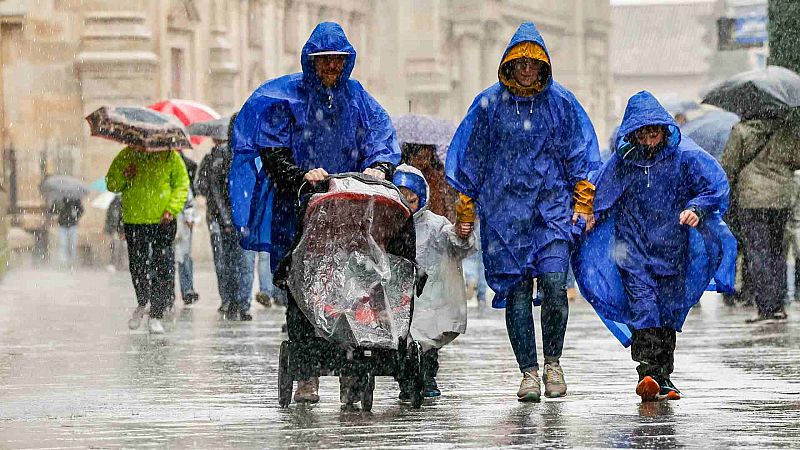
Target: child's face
{"type": "Point", "coordinates": [411, 198]}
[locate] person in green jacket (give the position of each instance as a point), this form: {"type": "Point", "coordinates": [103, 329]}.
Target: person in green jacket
{"type": "Point", "coordinates": [154, 187]}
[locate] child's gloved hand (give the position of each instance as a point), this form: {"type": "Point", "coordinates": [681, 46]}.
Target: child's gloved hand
{"type": "Point", "coordinates": [464, 229]}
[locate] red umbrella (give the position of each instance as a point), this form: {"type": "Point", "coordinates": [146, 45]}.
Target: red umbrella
{"type": "Point", "coordinates": [187, 111]}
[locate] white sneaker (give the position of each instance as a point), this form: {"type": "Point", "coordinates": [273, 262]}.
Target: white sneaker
{"type": "Point", "coordinates": [136, 318]}
{"type": "Point", "coordinates": [155, 326]}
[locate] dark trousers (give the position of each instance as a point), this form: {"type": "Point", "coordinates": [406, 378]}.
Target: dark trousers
{"type": "Point", "coordinates": [654, 350]}
{"type": "Point", "coordinates": [234, 269]}
{"type": "Point", "coordinates": [151, 257]}
{"type": "Point", "coordinates": [302, 332]}
{"type": "Point", "coordinates": [519, 319]}
{"type": "Point", "coordinates": [761, 238]}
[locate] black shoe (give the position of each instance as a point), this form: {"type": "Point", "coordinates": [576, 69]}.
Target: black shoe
{"type": "Point", "coordinates": [245, 316]}
{"type": "Point", "coordinates": [777, 316]}
{"type": "Point", "coordinates": [668, 390]}
{"type": "Point", "coordinates": [232, 313]}
{"type": "Point", "coordinates": [430, 389]}
{"type": "Point", "coordinates": [191, 297]}
{"type": "Point", "coordinates": [405, 393]}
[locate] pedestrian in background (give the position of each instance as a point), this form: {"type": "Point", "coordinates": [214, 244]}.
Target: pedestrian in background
{"type": "Point", "coordinates": [760, 159]}
{"type": "Point", "coordinates": [234, 268]}
{"type": "Point", "coordinates": [154, 187]}
{"type": "Point", "coordinates": [113, 227]}
{"type": "Point", "coordinates": [187, 219]}
{"type": "Point", "coordinates": [69, 212]}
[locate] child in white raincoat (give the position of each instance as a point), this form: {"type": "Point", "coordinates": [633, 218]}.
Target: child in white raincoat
{"type": "Point", "coordinates": [440, 313]}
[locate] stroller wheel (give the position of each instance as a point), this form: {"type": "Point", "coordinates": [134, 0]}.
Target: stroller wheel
{"type": "Point", "coordinates": [285, 382]}
{"type": "Point", "coordinates": [366, 393]}
{"type": "Point", "coordinates": [415, 374]}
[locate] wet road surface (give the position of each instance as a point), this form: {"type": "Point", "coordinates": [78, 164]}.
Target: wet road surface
{"type": "Point", "coordinates": [73, 376]}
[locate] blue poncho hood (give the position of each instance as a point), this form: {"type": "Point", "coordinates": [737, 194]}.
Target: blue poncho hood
{"type": "Point", "coordinates": [637, 204]}
{"type": "Point", "coordinates": [519, 158]}
{"type": "Point", "coordinates": [340, 129]}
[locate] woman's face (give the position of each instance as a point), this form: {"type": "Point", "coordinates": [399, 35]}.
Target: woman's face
{"type": "Point", "coordinates": [526, 71]}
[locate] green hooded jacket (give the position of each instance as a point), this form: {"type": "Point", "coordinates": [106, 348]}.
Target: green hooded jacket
{"type": "Point", "coordinates": [161, 184]}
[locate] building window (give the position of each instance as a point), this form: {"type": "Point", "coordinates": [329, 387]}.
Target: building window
{"type": "Point", "coordinates": [178, 63]}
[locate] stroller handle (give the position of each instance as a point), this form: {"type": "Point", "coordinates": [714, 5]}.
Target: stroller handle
{"type": "Point", "coordinates": [307, 188]}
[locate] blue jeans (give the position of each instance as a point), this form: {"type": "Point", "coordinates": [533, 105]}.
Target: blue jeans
{"type": "Point", "coordinates": [519, 319]}
{"type": "Point", "coordinates": [265, 277]}
{"type": "Point", "coordinates": [67, 245]}
{"type": "Point", "coordinates": [186, 276]}
{"type": "Point", "coordinates": [234, 268]}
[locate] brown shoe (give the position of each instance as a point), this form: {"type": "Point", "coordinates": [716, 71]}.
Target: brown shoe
{"type": "Point", "coordinates": [307, 391]}
{"type": "Point", "coordinates": [553, 378]}
{"type": "Point", "coordinates": [263, 299]}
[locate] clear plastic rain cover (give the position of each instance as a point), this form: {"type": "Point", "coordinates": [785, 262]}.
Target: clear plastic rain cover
{"type": "Point", "coordinates": [353, 291]}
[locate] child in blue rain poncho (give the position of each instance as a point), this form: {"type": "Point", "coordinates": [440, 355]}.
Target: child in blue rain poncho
{"type": "Point", "coordinates": [659, 238]}
{"type": "Point", "coordinates": [297, 129]}
{"type": "Point", "coordinates": [440, 313]}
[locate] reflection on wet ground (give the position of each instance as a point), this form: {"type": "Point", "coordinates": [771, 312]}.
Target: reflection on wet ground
{"type": "Point", "coordinates": [72, 375]}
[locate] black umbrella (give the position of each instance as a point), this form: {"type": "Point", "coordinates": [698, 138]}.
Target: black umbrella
{"type": "Point", "coordinates": [57, 187]}
{"type": "Point", "coordinates": [215, 129]}
{"type": "Point", "coordinates": [757, 94]}
{"type": "Point", "coordinates": [140, 127]}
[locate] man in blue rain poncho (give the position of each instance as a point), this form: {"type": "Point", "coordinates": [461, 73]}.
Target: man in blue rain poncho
{"type": "Point", "coordinates": [659, 238]}
{"type": "Point", "coordinates": [523, 154]}
{"type": "Point", "coordinates": [299, 128]}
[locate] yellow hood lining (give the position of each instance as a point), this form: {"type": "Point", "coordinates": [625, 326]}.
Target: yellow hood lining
{"type": "Point", "coordinates": [525, 49]}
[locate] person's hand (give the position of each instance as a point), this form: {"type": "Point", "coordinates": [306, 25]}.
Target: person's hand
{"type": "Point", "coordinates": [167, 217]}
{"type": "Point", "coordinates": [130, 171]}
{"type": "Point", "coordinates": [588, 218]}
{"type": "Point", "coordinates": [227, 230]}
{"type": "Point", "coordinates": [689, 217]}
{"type": "Point", "coordinates": [464, 229]}
{"type": "Point", "coordinates": [190, 224]}
{"type": "Point", "coordinates": [375, 173]}
{"type": "Point", "coordinates": [122, 236]}
{"type": "Point", "coordinates": [316, 175]}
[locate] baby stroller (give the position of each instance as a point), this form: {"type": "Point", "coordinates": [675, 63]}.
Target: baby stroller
{"type": "Point", "coordinates": [357, 295]}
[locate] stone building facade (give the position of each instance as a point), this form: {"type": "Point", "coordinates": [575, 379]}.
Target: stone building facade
{"type": "Point", "coordinates": [61, 59]}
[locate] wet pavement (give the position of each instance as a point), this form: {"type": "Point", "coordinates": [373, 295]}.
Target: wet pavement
{"type": "Point", "coordinates": [73, 376]}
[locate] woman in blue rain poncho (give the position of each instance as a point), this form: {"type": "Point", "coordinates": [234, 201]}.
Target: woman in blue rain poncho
{"type": "Point", "coordinates": [523, 154]}
{"type": "Point", "coordinates": [659, 238]}
{"type": "Point", "coordinates": [299, 128]}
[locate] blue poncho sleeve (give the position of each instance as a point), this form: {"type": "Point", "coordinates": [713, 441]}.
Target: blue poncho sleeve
{"type": "Point", "coordinates": [380, 142]}
{"type": "Point", "coordinates": [578, 141]}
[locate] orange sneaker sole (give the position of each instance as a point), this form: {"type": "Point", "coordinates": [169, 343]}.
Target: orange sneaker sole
{"type": "Point", "coordinates": [648, 389]}
{"type": "Point", "coordinates": [672, 395]}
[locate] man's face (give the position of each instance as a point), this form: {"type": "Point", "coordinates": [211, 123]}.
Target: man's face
{"type": "Point", "coordinates": [411, 198]}
{"type": "Point", "coordinates": [526, 71]}
{"type": "Point", "coordinates": [650, 135]}
{"type": "Point", "coordinates": [328, 68]}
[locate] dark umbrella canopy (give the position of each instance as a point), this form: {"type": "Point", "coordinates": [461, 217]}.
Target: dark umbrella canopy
{"type": "Point", "coordinates": [757, 94]}
{"type": "Point", "coordinates": [425, 130]}
{"type": "Point", "coordinates": [140, 127]}
{"type": "Point", "coordinates": [711, 130]}
{"type": "Point", "coordinates": [215, 129]}
{"type": "Point", "coordinates": [57, 187]}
